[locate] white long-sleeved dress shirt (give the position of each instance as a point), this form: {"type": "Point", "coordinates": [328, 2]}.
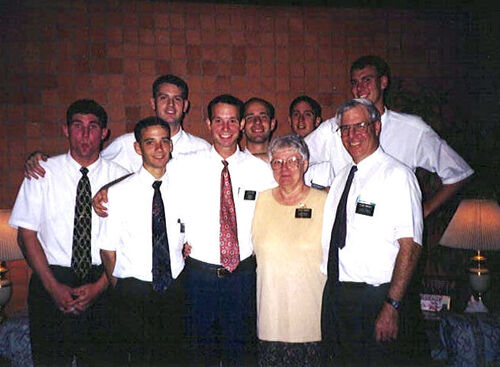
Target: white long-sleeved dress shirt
{"type": "Point", "coordinates": [405, 137]}
{"type": "Point", "coordinates": [121, 150]}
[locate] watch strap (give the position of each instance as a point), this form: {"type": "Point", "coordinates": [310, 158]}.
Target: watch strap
{"type": "Point", "coordinates": [393, 303]}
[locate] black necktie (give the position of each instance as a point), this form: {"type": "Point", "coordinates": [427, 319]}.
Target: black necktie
{"type": "Point", "coordinates": [162, 274]}
{"type": "Point", "coordinates": [339, 229]}
{"type": "Point", "coordinates": [81, 259]}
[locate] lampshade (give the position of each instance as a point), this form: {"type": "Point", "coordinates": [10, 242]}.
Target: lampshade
{"type": "Point", "coordinates": [475, 226]}
{"type": "Point", "coordinates": [9, 249]}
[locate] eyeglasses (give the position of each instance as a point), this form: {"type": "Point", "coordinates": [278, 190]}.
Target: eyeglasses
{"type": "Point", "coordinates": [254, 118]}
{"type": "Point", "coordinates": [290, 163]}
{"type": "Point", "coordinates": [360, 127]}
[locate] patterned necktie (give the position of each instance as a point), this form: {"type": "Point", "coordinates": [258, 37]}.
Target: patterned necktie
{"type": "Point", "coordinates": [229, 250]}
{"type": "Point", "coordinates": [81, 259]}
{"type": "Point", "coordinates": [339, 229]}
{"type": "Point", "coordinates": [162, 274]}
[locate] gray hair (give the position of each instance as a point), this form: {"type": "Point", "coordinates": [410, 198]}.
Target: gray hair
{"type": "Point", "coordinates": [373, 113]}
{"type": "Point", "coordinates": [292, 141]}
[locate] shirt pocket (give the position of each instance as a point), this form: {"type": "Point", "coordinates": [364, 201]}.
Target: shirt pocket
{"type": "Point", "coordinates": [364, 217]}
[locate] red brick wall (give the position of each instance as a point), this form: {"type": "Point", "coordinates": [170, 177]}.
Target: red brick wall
{"type": "Point", "coordinates": [55, 52]}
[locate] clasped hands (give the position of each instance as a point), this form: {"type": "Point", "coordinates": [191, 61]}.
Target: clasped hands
{"type": "Point", "coordinates": [74, 300]}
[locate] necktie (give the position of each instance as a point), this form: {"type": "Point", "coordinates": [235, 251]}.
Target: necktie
{"type": "Point", "coordinates": [162, 274]}
{"type": "Point", "coordinates": [229, 250]}
{"type": "Point", "coordinates": [81, 259]}
{"type": "Point", "coordinates": [339, 229]}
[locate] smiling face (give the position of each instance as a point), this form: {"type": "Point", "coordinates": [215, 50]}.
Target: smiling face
{"type": "Point", "coordinates": [225, 128]}
{"type": "Point", "coordinates": [85, 135]}
{"type": "Point", "coordinates": [358, 143]}
{"type": "Point", "coordinates": [154, 147]}
{"type": "Point", "coordinates": [290, 173]}
{"type": "Point", "coordinates": [365, 83]}
{"type": "Point", "coordinates": [302, 120]}
{"type": "Point", "coordinates": [258, 124]}
{"type": "Point", "coordinates": [170, 105]}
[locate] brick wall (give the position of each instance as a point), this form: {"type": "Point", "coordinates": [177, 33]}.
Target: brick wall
{"type": "Point", "coordinates": [55, 52]}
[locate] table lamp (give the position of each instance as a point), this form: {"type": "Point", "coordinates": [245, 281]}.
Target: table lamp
{"type": "Point", "coordinates": [475, 226]}
{"type": "Point", "coordinates": [9, 250]}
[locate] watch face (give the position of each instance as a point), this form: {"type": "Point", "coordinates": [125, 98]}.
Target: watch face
{"type": "Point", "coordinates": [393, 303]}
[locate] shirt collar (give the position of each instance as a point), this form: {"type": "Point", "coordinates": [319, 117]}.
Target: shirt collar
{"type": "Point", "coordinates": [147, 177]}
{"type": "Point", "coordinates": [177, 137]}
{"type": "Point", "coordinates": [76, 166]}
{"type": "Point", "coordinates": [384, 116]}
{"type": "Point", "coordinates": [235, 157]}
{"type": "Point", "coordinates": [371, 160]}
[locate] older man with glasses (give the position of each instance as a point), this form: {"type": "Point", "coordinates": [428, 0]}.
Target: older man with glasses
{"type": "Point", "coordinates": [372, 236]}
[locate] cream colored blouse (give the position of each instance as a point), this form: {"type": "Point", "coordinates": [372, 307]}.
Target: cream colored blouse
{"type": "Point", "coordinates": [289, 281]}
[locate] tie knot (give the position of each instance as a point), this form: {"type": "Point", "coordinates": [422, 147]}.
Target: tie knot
{"type": "Point", "coordinates": [156, 185]}
{"type": "Point", "coordinates": [224, 162]}
{"type": "Point", "coordinates": [84, 171]}
{"type": "Point", "coordinates": [353, 170]}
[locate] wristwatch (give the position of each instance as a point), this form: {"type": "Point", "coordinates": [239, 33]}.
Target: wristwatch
{"type": "Point", "coordinates": [393, 303]}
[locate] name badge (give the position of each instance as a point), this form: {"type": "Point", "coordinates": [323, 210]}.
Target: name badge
{"type": "Point", "coordinates": [303, 213]}
{"type": "Point", "coordinates": [249, 195]}
{"type": "Point", "coordinates": [365, 208]}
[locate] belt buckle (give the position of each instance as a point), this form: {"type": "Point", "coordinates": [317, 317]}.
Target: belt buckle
{"type": "Point", "coordinates": [221, 272]}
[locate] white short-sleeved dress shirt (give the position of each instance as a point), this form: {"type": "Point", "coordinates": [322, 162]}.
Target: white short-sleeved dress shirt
{"type": "Point", "coordinates": [121, 150]}
{"type": "Point", "coordinates": [128, 227]}
{"type": "Point", "coordinates": [392, 190]}
{"type": "Point", "coordinates": [405, 137]}
{"type": "Point", "coordinates": [47, 205]}
{"type": "Point", "coordinates": [319, 175]}
{"type": "Point", "coordinates": [194, 184]}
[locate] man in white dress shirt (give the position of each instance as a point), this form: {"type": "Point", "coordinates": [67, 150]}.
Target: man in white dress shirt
{"type": "Point", "coordinates": [260, 124]}
{"type": "Point", "coordinates": [405, 137]}
{"type": "Point", "coordinates": [69, 315]}
{"type": "Point", "coordinates": [372, 236]}
{"type": "Point", "coordinates": [147, 325]}
{"type": "Point", "coordinates": [221, 299]}
{"type": "Point", "coordinates": [170, 103]}
{"type": "Point", "coordinates": [304, 115]}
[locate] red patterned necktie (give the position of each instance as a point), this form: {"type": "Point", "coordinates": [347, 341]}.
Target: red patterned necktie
{"type": "Point", "coordinates": [229, 250]}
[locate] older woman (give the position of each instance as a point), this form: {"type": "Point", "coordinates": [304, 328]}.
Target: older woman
{"type": "Point", "coordinates": [286, 233]}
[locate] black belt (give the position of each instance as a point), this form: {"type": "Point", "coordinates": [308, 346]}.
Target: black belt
{"type": "Point", "coordinates": [70, 278]}
{"type": "Point", "coordinates": [358, 285]}
{"type": "Point", "coordinates": [246, 265]}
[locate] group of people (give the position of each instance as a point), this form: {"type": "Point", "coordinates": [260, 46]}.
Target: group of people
{"type": "Point", "coordinates": [296, 251]}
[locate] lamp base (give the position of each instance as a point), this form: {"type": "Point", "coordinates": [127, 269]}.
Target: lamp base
{"type": "Point", "coordinates": [474, 306]}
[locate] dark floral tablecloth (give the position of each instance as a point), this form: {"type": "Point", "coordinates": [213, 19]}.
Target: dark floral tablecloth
{"type": "Point", "coordinates": [471, 339]}
{"type": "Point", "coordinates": [15, 341]}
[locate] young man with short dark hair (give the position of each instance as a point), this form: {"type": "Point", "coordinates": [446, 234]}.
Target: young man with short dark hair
{"type": "Point", "coordinates": [69, 315]}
